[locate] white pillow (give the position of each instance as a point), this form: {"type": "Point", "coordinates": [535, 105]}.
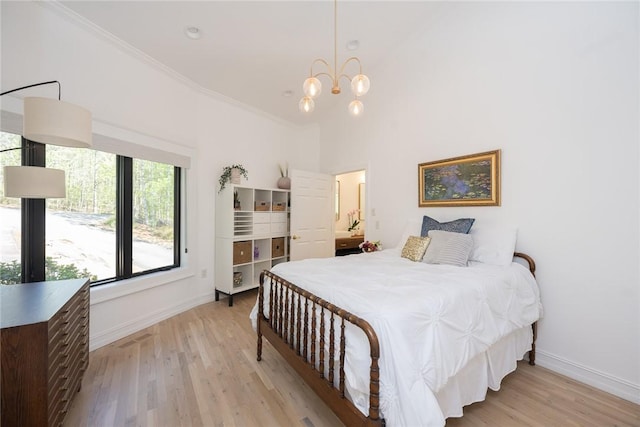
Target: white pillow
{"type": "Point", "coordinates": [493, 244]}
{"type": "Point", "coordinates": [412, 228]}
{"type": "Point", "coordinates": [449, 248]}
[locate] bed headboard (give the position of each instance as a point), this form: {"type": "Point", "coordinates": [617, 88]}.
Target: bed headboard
{"type": "Point", "coordinates": [530, 261]}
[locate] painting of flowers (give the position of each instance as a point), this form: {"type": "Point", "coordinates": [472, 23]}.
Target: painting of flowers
{"type": "Point", "coordinates": [472, 180]}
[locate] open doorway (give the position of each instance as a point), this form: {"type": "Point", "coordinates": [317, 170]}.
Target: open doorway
{"type": "Point", "coordinates": [350, 211]}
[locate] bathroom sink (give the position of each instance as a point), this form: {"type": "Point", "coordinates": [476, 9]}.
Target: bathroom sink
{"type": "Point", "coordinates": [342, 233]}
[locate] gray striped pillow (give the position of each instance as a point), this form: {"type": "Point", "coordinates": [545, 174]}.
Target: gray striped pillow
{"type": "Point", "coordinates": [448, 248]}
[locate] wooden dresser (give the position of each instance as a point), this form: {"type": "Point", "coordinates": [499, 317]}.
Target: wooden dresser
{"type": "Point", "coordinates": [44, 348]}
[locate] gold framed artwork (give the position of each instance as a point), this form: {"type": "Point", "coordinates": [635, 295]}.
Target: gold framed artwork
{"type": "Point", "coordinates": [472, 180]}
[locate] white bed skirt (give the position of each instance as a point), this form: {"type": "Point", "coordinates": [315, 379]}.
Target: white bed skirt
{"type": "Point", "coordinates": [484, 371]}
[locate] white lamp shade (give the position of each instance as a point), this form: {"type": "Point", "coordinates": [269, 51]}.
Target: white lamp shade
{"type": "Point", "coordinates": [33, 182]}
{"type": "Point", "coordinates": [50, 121]}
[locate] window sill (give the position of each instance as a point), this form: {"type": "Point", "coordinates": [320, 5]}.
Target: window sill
{"type": "Point", "coordinates": [122, 288]}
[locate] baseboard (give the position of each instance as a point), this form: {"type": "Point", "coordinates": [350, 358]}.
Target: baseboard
{"type": "Point", "coordinates": [144, 321]}
{"type": "Point", "coordinates": [609, 383]}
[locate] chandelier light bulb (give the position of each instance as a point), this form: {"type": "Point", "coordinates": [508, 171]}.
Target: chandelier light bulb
{"type": "Point", "coordinates": [306, 104]}
{"type": "Point", "coordinates": [356, 108]}
{"type": "Point", "coordinates": [360, 85]}
{"type": "Point", "coordinates": [312, 87]}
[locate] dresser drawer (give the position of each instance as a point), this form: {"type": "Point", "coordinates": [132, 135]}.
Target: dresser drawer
{"type": "Point", "coordinates": [348, 242]}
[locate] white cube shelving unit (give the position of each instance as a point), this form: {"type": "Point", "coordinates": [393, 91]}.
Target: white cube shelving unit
{"type": "Point", "coordinates": [252, 235]}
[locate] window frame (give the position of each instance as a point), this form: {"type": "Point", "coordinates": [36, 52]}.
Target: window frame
{"type": "Point", "coordinates": [32, 221]}
{"type": "Point", "coordinates": [33, 255]}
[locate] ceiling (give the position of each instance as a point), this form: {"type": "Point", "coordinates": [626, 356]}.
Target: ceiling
{"type": "Point", "coordinates": [256, 51]}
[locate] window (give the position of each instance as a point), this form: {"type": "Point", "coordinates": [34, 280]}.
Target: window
{"type": "Point", "coordinates": [120, 218]}
{"type": "Point", "coordinates": [10, 214]}
{"type": "Point", "coordinates": [153, 212]}
{"type": "Point", "coordinates": [81, 228]}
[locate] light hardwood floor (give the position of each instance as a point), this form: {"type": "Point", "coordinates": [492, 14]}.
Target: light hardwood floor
{"type": "Point", "coordinates": [199, 369]}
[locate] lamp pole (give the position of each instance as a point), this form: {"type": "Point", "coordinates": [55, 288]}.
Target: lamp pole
{"type": "Point", "coordinates": [32, 210]}
{"type": "Point", "coordinates": [72, 129]}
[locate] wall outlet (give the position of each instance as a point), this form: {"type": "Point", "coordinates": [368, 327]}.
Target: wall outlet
{"type": "Point", "coordinates": [373, 211]}
{"type": "Point", "coordinates": [377, 225]}
{"type": "Point", "coordinates": [203, 273]}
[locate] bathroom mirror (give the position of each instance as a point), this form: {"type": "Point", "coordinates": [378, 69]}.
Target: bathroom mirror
{"type": "Point", "coordinates": [337, 202]}
{"type": "Point", "coordinates": [361, 205]}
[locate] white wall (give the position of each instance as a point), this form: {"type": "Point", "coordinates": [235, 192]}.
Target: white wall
{"type": "Point", "coordinates": [555, 87]}
{"type": "Point", "coordinates": [40, 42]}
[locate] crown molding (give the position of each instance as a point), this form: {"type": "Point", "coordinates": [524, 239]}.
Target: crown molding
{"type": "Point", "coordinates": [82, 22]}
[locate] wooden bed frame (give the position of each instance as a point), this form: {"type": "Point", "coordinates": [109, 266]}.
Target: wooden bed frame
{"type": "Point", "coordinates": [292, 329]}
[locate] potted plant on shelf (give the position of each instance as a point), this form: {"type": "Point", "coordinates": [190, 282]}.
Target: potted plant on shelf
{"type": "Point", "coordinates": [232, 174]}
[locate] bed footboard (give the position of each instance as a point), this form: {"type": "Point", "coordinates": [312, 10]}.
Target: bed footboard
{"type": "Point", "coordinates": [297, 328]}
{"type": "Point", "coordinates": [532, 268]}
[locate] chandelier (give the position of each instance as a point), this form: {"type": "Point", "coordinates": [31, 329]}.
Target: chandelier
{"type": "Point", "coordinates": [312, 86]}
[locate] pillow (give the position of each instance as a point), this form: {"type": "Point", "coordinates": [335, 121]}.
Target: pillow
{"type": "Point", "coordinates": [493, 244]}
{"type": "Point", "coordinates": [448, 248]}
{"type": "Point", "coordinates": [462, 225]}
{"type": "Point", "coordinates": [411, 228]}
{"type": "Point", "coordinates": [415, 247]}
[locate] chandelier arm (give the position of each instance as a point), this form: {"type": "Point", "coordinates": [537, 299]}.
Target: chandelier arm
{"type": "Point", "coordinates": [330, 73]}
{"type": "Point", "coordinates": [323, 74]}
{"type": "Point", "coordinates": [347, 76]}
{"type": "Point", "coordinates": [344, 64]}
{"type": "Point", "coordinates": [33, 85]}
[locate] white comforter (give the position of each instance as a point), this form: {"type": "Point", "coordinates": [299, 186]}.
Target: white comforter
{"type": "Point", "coordinates": [430, 320]}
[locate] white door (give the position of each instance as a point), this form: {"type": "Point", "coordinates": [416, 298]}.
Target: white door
{"type": "Point", "coordinates": [312, 215]}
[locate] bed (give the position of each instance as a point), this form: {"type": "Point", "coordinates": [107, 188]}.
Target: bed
{"type": "Point", "coordinates": [384, 340]}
